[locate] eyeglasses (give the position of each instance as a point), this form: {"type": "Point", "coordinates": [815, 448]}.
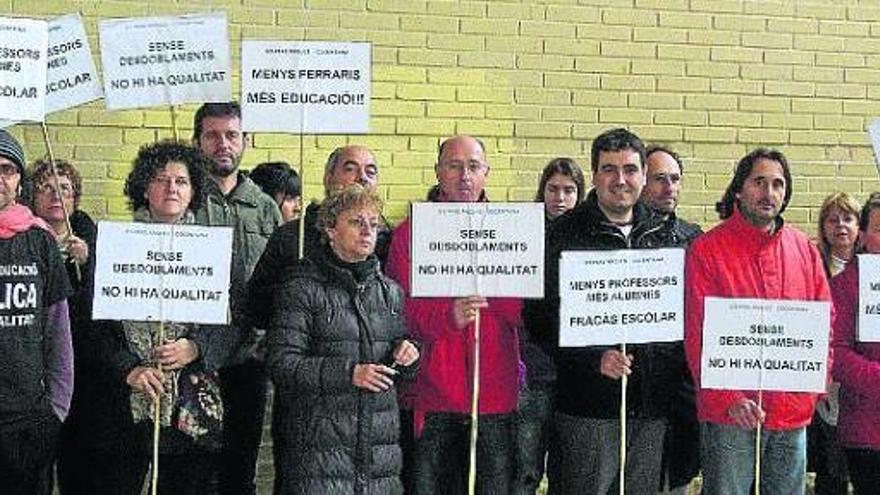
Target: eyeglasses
{"type": "Point", "coordinates": [459, 167]}
{"type": "Point", "coordinates": [362, 223]}
{"type": "Point", "coordinates": [48, 189]}
{"type": "Point", "coordinates": [8, 169]}
{"type": "Point", "coordinates": [165, 181]}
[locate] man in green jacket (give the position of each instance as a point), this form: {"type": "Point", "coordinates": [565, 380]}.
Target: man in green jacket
{"type": "Point", "coordinates": [233, 200]}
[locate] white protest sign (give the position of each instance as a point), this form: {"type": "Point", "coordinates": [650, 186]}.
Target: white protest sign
{"type": "Point", "coordinates": [155, 271]}
{"type": "Point", "coordinates": [23, 69]}
{"type": "Point", "coordinates": [165, 60]}
{"type": "Point", "coordinates": [868, 323]}
{"type": "Point", "coordinates": [72, 78]}
{"type": "Point", "coordinates": [760, 344]}
{"type": "Point", "coordinates": [630, 295]}
{"type": "Point", "coordinates": [316, 87]}
{"type": "Point", "coordinates": [487, 249]}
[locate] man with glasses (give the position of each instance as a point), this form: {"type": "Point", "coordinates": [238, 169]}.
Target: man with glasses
{"type": "Point", "coordinates": [680, 455]}
{"type": "Point", "coordinates": [436, 408]}
{"type": "Point", "coordinates": [235, 201]}
{"type": "Point", "coordinates": [346, 165]}
{"type": "Point", "coordinates": [36, 357]}
{"type": "Point", "coordinates": [663, 187]}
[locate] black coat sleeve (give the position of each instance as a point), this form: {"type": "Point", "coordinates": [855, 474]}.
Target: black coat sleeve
{"type": "Point", "coordinates": [289, 344]}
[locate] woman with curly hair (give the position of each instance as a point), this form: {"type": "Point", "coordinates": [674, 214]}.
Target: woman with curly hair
{"type": "Point", "coordinates": [164, 186]}
{"type": "Point", "coordinates": [89, 435]}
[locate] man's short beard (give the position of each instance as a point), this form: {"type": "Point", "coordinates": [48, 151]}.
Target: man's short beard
{"type": "Point", "coordinates": [755, 218]}
{"type": "Point", "coordinates": [219, 171]}
{"type": "Point", "coordinates": [666, 211]}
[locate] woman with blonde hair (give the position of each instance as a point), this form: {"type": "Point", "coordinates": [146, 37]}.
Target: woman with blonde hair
{"type": "Point", "coordinates": [838, 231]}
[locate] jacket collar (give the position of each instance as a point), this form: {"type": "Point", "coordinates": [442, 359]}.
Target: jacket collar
{"type": "Point", "coordinates": [435, 195]}
{"type": "Point", "coordinates": [589, 212]}
{"type": "Point", "coordinates": [143, 215]}
{"type": "Point", "coordinates": [326, 266]}
{"type": "Point", "coordinates": [245, 191]}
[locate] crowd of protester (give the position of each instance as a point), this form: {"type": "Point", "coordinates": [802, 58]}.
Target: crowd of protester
{"type": "Point", "coordinates": [372, 386]}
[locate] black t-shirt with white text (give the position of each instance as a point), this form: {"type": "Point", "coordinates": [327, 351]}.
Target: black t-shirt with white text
{"type": "Point", "coordinates": [32, 278]}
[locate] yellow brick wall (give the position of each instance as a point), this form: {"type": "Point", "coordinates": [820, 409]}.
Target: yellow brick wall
{"type": "Point", "coordinates": [538, 79]}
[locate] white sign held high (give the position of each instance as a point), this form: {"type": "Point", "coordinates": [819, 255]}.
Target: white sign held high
{"type": "Point", "coordinates": [154, 271]}
{"type": "Point", "coordinates": [759, 344]}
{"type": "Point", "coordinates": [316, 87]}
{"type": "Point", "coordinates": [72, 78]}
{"type": "Point", "coordinates": [631, 295]}
{"type": "Point", "coordinates": [868, 324]}
{"type": "Point", "coordinates": [155, 61]}
{"type": "Point", "coordinates": [23, 69]}
{"type": "Point", "coordinates": [487, 249]}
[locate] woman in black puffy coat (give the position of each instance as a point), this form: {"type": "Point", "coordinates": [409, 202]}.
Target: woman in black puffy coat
{"type": "Point", "coordinates": [336, 345]}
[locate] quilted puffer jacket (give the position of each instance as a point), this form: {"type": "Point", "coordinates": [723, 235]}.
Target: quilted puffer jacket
{"type": "Point", "coordinates": [332, 437]}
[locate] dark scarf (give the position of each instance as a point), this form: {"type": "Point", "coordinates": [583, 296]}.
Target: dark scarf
{"type": "Point", "coordinates": [360, 270]}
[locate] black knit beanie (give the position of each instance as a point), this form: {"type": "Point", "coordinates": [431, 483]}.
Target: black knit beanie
{"type": "Point", "coordinates": [11, 150]}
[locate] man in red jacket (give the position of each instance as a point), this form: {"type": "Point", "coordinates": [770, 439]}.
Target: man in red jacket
{"type": "Point", "coordinates": [440, 398]}
{"type": "Point", "coordinates": [752, 254]}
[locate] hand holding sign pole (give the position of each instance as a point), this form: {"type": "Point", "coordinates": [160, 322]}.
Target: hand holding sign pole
{"type": "Point", "coordinates": [162, 272]}
{"type": "Point", "coordinates": [764, 345]}
{"type": "Point", "coordinates": [157, 400]}
{"type": "Point", "coordinates": [72, 80]}
{"type": "Point", "coordinates": [57, 184]}
{"type": "Point", "coordinates": [471, 251]}
{"type": "Point", "coordinates": [597, 290]}
{"type": "Point", "coordinates": [475, 382]}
